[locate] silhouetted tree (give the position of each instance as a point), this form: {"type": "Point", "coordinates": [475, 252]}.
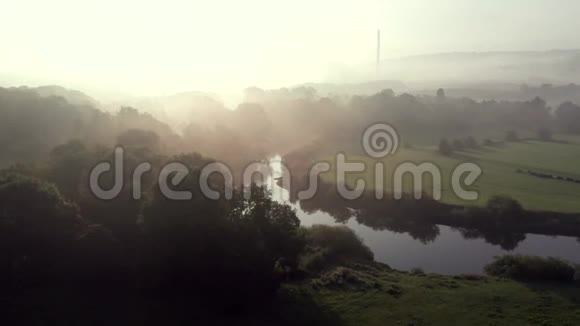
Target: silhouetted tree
{"type": "Point", "coordinates": [37, 231]}
{"type": "Point", "coordinates": [440, 94]}
{"type": "Point", "coordinates": [458, 145]}
{"type": "Point", "coordinates": [470, 142]}
{"type": "Point", "coordinates": [224, 250]}
{"type": "Point", "coordinates": [67, 168]}
{"type": "Point", "coordinates": [445, 148]}
{"type": "Point", "coordinates": [139, 138]}
{"type": "Point", "coordinates": [503, 207]}
{"type": "Point", "coordinates": [568, 117]}
{"type": "Point", "coordinates": [512, 135]}
{"type": "Point", "coordinates": [545, 134]}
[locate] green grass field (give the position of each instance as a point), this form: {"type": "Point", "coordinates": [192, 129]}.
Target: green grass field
{"type": "Point", "coordinates": [499, 164]}
{"type": "Point", "coordinates": [380, 296]}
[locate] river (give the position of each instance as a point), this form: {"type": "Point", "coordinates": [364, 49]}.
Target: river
{"type": "Point", "coordinates": [448, 253]}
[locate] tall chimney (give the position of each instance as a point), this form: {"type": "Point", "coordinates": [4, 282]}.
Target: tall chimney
{"type": "Point", "coordinates": [378, 52]}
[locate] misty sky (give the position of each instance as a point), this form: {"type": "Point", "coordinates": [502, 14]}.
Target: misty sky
{"type": "Point", "coordinates": [157, 47]}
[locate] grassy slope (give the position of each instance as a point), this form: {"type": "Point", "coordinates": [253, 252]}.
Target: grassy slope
{"type": "Point", "coordinates": [441, 300]}
{"type": "Point", "coordinates": [499, 164]}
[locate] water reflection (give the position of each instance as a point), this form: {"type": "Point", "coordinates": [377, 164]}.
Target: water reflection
{"type": "Point", "coordinates": [424, 233]}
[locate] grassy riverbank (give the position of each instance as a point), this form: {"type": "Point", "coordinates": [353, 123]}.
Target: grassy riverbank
{"type": "Point", "coordinates": [502, 166]}
{"type": "Point", "coordinates": [373, 294]}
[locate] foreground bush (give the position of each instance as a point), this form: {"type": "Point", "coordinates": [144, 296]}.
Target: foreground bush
{"type": "Point", "coordinates": [331, 245]}
{"type": "Point", "coordinates": [531, 268]}
{"type": "Point", "coordinates": [225, 253]}
{"type": "Point", "coordinates": [229, 253]}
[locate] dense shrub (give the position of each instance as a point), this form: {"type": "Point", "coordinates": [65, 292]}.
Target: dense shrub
{"type": "Point", "coordinates": [531, 268]}
{"type": "Point", "coordinates": [417, 271]}
{"type": "Point", "coordinates": [339, 277]}
{"type": "Point", "coordinates": [472, 277]}
{"type": "Point", "coordinates": [330, 245]}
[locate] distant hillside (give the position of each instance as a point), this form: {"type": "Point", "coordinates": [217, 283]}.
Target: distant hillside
{"type": "Point", "coordinates": [74, 97]}
{"type": "Point", "coordinates": [557, 66]}
{"type": "Point", "coordinates": [178, 110]}
{"type": "Point", "coordinates": [364, 88]}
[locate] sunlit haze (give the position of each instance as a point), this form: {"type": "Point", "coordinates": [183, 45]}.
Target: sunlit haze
{"type": "Point", "coordinates": [161, 47]}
